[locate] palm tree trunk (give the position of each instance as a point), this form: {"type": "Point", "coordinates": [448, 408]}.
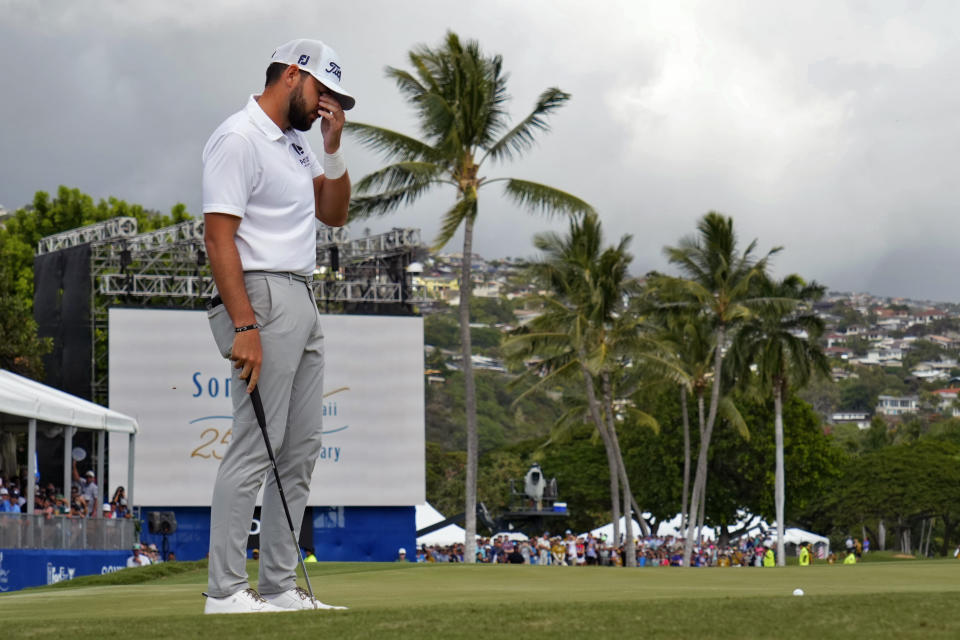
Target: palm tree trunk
{"type": "Point", "coordinates": [779, 496]}
{"type": "Point", "coordinates": [644, 525]}
{"type": "Point", "coordinates": [700, 480]}
{"type": "Point", "coordinates": [594, 407]}
{"type": "Point", "coordinates": [684, 516]}
{"type": "Point", "coordinates": [630, 546]}
{"type": "Point", "coordinates": [700, 512]}
{"type": "Point", "coordinates": [470, 399]}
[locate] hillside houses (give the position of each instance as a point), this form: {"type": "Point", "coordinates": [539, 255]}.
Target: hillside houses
{"type": "Point", "coordinates": [915, 346]}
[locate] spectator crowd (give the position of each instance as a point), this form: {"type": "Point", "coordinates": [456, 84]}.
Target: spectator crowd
{"type": "Point", "coordinates": [146, 554]}
{"type": "Point", "coordinates": [589, 550]}
{"type": "Point", "coordinates": [83, 501]}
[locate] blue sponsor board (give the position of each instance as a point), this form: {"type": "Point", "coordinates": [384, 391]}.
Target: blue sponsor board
{"type": "Point", "coordinates": [21, 568]}
{"type": "Point", "coordinates": [342, 534]}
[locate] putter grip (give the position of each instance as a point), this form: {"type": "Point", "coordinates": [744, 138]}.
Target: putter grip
{"type": "Point", "coordinates": [258, 407]}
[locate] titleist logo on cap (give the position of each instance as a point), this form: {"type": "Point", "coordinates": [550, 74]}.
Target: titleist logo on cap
{"type": "Point", "coordinates": [334, 69]}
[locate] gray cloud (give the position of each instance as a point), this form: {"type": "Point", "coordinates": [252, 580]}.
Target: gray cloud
{"type": "Point", "coordinates": [827, 127]}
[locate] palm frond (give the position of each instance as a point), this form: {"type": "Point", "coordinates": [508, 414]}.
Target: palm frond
{"type": "Point", "coordinates": [400, 175]}
{"type": "Point", "coordinates": [729, 412]}
{"type": "Point", "coordinates": [393, 145]}
{"type": "Point", "coordinates": [556, 375]}
{"type": "Point", "coordinates": [408, 85]}
{"type": "Point", "coordinates": [521, 137]}
{"type": "Point", "coordinates": [643, 419]}
{"type": "Point", "coordinates": [387, 201]}
{"type": "Point", "coordinates": [543, 199]}
{"type": "Point", "coordinates": [466, 206]}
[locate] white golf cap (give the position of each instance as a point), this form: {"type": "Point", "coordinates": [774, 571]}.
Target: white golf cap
{"type": "Point", "coordinates": [318, 60]}
{"type": "Point", "coordinates": [401, 550]}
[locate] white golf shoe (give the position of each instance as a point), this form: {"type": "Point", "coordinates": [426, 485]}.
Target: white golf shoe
{"type": "Point", "coordinates": [298, 598]}
{"type": "Point", "coordinates": [246, 601]}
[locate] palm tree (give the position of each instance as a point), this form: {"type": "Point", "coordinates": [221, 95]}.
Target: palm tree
{"type": "Point", "coordinates": [459, 95]}
{"type": "Point", "coordinates": [691, 339]}
{"type": "Point", "coordinates": [586, 331]}
{"type": "Point", "coordinates": [780, 342]}
{"type": "Point", "coordinates": [719, 284]}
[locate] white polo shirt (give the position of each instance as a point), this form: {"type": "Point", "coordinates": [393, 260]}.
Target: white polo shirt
{"type": "Point", "coordinates": [255, 171]}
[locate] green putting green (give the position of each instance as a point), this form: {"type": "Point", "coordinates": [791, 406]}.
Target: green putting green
{"type": "Point", "coordinates": [875, 600]}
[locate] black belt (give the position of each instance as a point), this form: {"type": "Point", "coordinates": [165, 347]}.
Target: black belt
{"type": "Point", "coordinates": [215, 301]}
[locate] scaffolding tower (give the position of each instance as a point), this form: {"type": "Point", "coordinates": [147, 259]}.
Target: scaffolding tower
{"type": "Point", "coordinates": [168, 268]}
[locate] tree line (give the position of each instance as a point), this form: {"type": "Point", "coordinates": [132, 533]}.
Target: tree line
{"type": "Point", "coordinates": [723, 333]}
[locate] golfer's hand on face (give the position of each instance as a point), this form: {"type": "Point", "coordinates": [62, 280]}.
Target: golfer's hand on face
{"type": "Point", "coordinates": [331, 125]}
{"type": "Point", "coordinates": [247, 355]}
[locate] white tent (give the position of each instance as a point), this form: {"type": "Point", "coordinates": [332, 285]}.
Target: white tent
{"type": "Point", "coordinates": [24, 402]}
{"type": "Point", "coordinates": [450, 534]}
{"type": "Point", "coordinates": [796, 536]}
{"type": "Point", "coordinates": [27, 398]}
{"type": "Point", "coordinates": [607, 530]}
{"type": "Point", "coordinates": [664, 529]}
{"type": "Point", "coordinates": [750, 523]}
{"type": "Point", "coordinates": [515, 536]}
{"type": "Point", "coordinates": [672, 528]}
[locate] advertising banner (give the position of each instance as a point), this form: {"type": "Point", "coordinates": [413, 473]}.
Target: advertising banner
{"type": "Point", "coordinates": [166, 372]}
{"type": "Point", "coordinates": [22, 568]}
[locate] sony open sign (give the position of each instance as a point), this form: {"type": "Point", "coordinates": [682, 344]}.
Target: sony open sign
{"type": "Point", "coordinates": [166, 372]}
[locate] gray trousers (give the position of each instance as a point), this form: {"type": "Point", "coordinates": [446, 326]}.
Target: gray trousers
{"type": "Point", "coordinates": [291, 387]}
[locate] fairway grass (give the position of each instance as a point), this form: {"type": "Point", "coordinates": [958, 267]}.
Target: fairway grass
{"type": "Point", "coordinates": [871, 600]}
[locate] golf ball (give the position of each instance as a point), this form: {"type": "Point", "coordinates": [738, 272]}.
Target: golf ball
{"type": "Point", "coordinates": [798, 592]}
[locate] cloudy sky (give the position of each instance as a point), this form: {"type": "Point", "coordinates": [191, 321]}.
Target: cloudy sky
{"type": "Point", "coordinates": [831, 128]}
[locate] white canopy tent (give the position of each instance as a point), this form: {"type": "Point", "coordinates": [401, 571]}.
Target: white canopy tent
{"type": "Point", "coordinates": [671, 527]}
{"type": "Point", "coordinates": [24, 402]}
{"type": "Point", "coordinates": [513, 536]}
{"type": "Point", "coordinates": [450, 534]}
{"type": "Point", "coordinates": [795, 537]}
{"type": "Point", "coordinates": [747, 522]}
{"type": "Point", "coordinates": [607, 530]}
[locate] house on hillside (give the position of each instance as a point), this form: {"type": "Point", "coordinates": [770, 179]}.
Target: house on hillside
{"type": "Point", "coordinates": [439, 287]}
{"type": "Point", "coordinates": [842, 374]}
{"type": "Point", "coordinates": [839, 352]}
{"type": "Point", "coordinates": [934, 370]}
{"type": "Point", "coordinates": [859, 418]}
{"type": "Point", "coordinates": [897, 405]}
{"type": "Point", "coordinates": [944, 341]}
{"type": "Point", "coordinates": [948, 401]}
{"type": "Point", "coordinates": [836, 339]}
{"type": "Point", "coordinates": [488, 289]}
{"type": "Point", "coordinates": [888, 357]}
{"type": "Point", "coordinates": [927, 316]}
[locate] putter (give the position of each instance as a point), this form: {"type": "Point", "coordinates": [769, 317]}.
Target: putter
{"type": "Point", "coordinates": [262, 421]}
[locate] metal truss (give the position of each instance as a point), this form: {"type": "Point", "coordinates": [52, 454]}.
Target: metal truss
{"type": "Point", "coordinates": [327, 236]}
{"type": "Point", "coordinates": [383, 245]}
{"type": "Point", "coordinates": [168, 267]}
{"type": "Point", "coordinates": [155, 286]}
{"type": "Point", "coordinates": [379, 293]}
{"type": "Point", "coordinates": [190, 231]}
{"type": "Point", "coordinates": [112, 228]}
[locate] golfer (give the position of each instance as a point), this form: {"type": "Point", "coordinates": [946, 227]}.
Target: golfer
{"type": "Point", "coordinates": [263, 186]}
